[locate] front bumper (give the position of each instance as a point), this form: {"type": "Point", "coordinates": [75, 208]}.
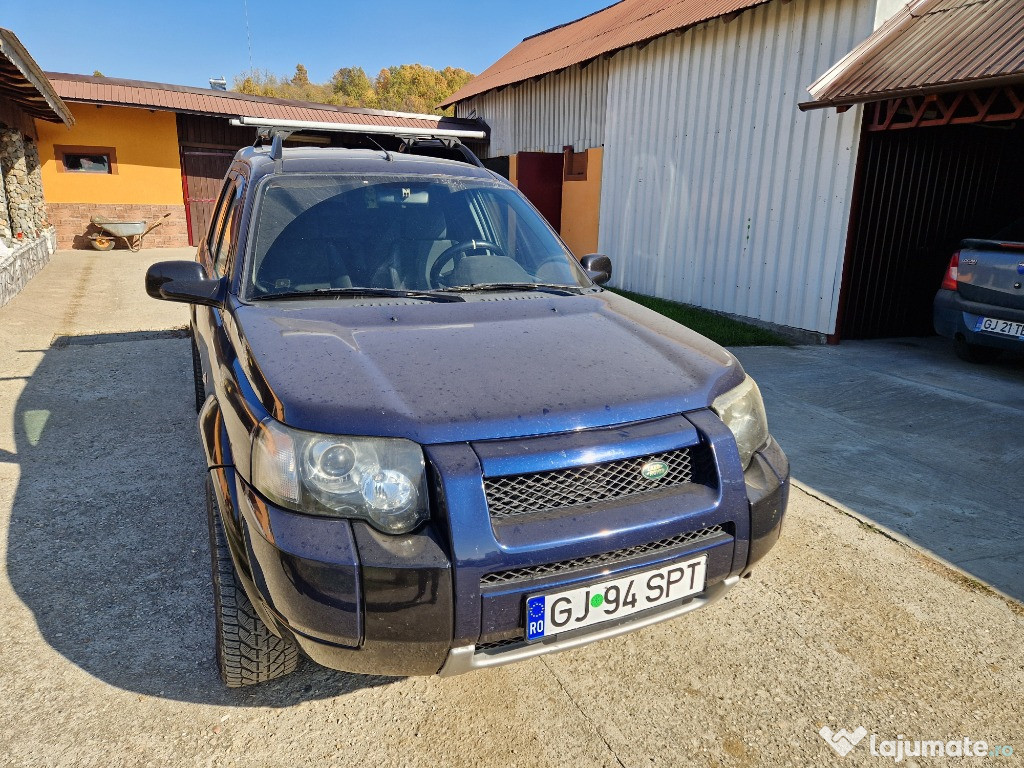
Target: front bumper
{"type": "Point", "coordinates": [467, 658]}
{"type": "Point", "coordinates": [360, 601]}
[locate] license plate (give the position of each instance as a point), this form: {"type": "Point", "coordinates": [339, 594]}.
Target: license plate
{"type": "Point", "coordinates": [572, 609]}
{"type": "Point", "coordinates": [1002, 327]}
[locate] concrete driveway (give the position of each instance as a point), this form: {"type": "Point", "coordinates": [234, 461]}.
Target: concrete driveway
{"type": "Point", "coordinates": [911, 437]}
{"type": "Point", "coordinates": [106, 644]}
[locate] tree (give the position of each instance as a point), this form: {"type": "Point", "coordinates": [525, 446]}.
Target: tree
{"type": "Point", "coordinates": [257, 82]}
{"type": "Point", "coordinates": [352, 87]}
{"type": "Point", "coordinates": [405, 88]}
{"type": "Point", "coordinates": [416, 88]}
{"type": "Point", "coordinates": [301, 77]}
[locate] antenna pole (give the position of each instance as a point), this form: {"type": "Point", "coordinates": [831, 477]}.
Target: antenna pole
{"type": "Point", "coordinates": [248, 33]}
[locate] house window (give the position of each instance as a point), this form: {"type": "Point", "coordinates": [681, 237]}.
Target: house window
{"type": "Point", "coordinates": [86, 159]}
{"type": "Point", "coordinates": [575, 166]}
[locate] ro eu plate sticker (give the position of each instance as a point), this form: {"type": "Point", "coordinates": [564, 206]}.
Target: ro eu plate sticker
{"type": "Point", "coordinates": [535, 618]}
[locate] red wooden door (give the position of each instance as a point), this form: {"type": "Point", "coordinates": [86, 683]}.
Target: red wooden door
{"type": "Point", "coordinates": [539, 176]}
{"type": "Point", "coordinates": [202, 175]}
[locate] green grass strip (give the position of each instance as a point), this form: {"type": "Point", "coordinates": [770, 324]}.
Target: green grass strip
{"type": "Point", "coordinates": [718, 328]}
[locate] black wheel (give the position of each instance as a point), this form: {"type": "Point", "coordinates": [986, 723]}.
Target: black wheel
{"type": "Point", "coordinates": [247, 651]}
{"type": "Point", "coordinates": [197, 377]}
{"type": "Point", "coordinates": [975, 353]}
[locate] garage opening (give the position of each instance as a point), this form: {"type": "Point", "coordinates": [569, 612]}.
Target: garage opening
{"type": "Point", "coordinates": [921, 191]}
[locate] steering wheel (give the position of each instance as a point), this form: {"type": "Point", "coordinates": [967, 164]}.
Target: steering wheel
{"type": "Point", "coordinates": [456, 252]}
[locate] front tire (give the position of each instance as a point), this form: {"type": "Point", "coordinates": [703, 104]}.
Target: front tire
{"type": "Point", "coordinates": [247, 651]}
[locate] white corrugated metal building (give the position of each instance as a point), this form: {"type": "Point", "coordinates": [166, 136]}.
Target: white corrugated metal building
{"type": "Point", "coordinates": [714, 189]}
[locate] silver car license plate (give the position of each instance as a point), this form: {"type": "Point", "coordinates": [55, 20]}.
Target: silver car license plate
{"type": "Point", "coordinates": [1002, 327]}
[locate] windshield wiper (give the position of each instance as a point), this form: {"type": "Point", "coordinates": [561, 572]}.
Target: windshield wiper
{"type": "Point", "coordinates": [556, 288]}
{"type": "Point", "coordinates": [397, 293]}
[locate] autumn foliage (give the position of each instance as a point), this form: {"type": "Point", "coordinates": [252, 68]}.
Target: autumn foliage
{"type": "Point", "coordinates": [406, 88]}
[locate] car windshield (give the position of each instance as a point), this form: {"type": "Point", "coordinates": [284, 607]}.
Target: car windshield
{"type": "Point", "coordinates": [336, 234]}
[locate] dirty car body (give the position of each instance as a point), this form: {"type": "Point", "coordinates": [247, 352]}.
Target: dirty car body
{"type": "Point", "coordinates": [434, 442]}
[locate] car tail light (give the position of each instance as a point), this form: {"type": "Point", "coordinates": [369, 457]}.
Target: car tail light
{"type": "Point", "coordinates": [949, 280]}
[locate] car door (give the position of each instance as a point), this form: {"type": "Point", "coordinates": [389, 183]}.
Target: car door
{"type": "Point", "coordinates": [217, 254]}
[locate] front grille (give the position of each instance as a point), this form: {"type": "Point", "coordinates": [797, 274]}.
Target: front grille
{"type": "Point", "coordinates": [560, 488]}
{"type": "Point", "coordinates": [547, 569]}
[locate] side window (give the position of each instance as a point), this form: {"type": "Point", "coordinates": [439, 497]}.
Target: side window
{"type": "Point", "coordinates": [222, 250]}
{"type": "Point", "coordinates": [217, 220]}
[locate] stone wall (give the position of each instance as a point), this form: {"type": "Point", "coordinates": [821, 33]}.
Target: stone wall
{"type": "Point", "coordinates": [23, 187]}
{"type": "Point", "coordinates": [6, 233]}
{"type": "Point", "coordinates": [26, 238]}
{"type": "Point", "coordinates": [19, 266]}
{"type": "Point", "coordinates": [72, 222]}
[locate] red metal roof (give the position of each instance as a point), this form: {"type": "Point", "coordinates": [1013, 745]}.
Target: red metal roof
{"type": "Point", "coordinates": [929, 46]}
{"type": "Point", "coordinates": [206, 101]}
{"type": "Point", "coordinates": [618, 26]}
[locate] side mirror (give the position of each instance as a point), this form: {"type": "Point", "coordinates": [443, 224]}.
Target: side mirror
{"type": "Point", "coordinates": [598, 266]}
{"type": "Point", "coordinates": [184, 281]}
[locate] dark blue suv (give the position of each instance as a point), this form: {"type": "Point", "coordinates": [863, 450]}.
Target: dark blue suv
{"type": "Point", "coordinates": [434, 443]}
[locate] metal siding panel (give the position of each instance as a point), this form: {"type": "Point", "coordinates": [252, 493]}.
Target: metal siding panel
{"type": "Point", "coordinates": [716, 191]}
{"type": "Point", "coordinates": [565, 108]}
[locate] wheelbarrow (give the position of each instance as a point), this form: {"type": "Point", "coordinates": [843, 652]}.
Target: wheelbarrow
{"type": "Point", "coordinates": [131, 232]}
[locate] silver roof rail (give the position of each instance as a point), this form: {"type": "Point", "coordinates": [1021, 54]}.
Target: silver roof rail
{"type": "Point", "coordinates": [278, 130]}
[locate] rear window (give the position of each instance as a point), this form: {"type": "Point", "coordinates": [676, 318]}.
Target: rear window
{"type": "Point", "coordinates": [375, 231]}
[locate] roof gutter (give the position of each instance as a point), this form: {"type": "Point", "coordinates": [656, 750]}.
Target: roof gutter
{"type": "Point", "coordinates": [388, 130]}
{"type": "Point", "coordinates": [878, 39]}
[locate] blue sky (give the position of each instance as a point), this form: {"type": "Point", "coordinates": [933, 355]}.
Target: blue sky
{"type": "Point", "coordinates": [189, 41]}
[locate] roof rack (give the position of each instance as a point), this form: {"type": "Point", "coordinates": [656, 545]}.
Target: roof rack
{"type": "Point", "coordinates": [279, 130]}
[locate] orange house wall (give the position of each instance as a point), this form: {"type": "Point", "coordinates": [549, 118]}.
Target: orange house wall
{"type": "Point", "coordinates": [147, 183]}
{"type": "Point", "coordinates": [581, 207]}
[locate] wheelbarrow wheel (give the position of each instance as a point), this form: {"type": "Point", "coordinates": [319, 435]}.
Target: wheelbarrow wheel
{"type": "Point", "coordinates": [102, 242]}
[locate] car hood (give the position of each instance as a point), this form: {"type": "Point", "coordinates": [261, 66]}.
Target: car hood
{"type": "Point", "coordinates": [508, 365]}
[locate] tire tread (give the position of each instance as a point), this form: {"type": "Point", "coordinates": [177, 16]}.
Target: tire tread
{"type": "Point", "coordinates": [247, 651]}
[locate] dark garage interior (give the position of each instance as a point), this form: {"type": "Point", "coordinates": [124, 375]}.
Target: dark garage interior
{"type": "Point", "coordinates": [920, 192]}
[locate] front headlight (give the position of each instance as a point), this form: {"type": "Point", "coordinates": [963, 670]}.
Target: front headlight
{"type": "Point", "coordinates": [742, 410]}
{"type": "Point", "coordinates": [377, 479]}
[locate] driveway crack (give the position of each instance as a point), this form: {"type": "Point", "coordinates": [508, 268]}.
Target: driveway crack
{"type": "Point", "coordinates": [587, 717]}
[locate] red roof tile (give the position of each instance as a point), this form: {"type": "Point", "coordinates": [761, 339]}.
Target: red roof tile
{"type": "Point", "coordinates": [621, 25]}
{"type": "Point", "coordinates": [179, 98]}
{"type": "Point", "coordinates": [931, 45]}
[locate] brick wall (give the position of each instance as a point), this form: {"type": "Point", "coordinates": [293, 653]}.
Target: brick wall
{"type": "Point", "coordinates": [71, 221]}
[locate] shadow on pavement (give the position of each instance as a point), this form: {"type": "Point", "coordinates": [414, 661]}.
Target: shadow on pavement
{"type": "Point", "coordinates": [906, 434]}
{"type": "Point", "coordinates": [107, 543]}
